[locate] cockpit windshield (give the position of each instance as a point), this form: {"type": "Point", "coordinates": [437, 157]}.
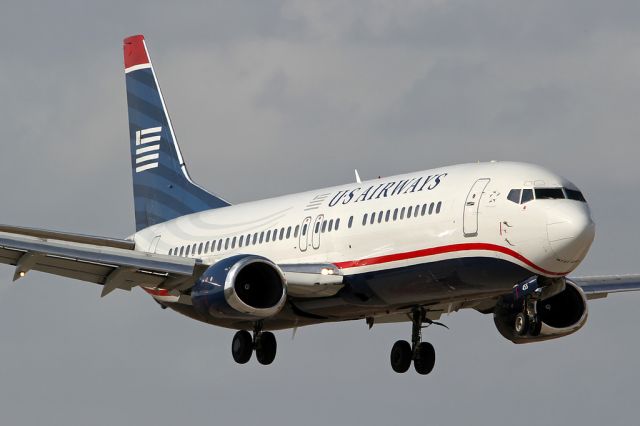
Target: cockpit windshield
{"type": "Point", "coordinates": [521, 196]}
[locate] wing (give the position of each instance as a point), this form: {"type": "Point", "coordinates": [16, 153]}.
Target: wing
{"type": "Point", "coordinates": [115, 264]}
{"type": "Point", "coordinates": [96, 260]}
{"type": "Point", "coordinates": [599, 287]}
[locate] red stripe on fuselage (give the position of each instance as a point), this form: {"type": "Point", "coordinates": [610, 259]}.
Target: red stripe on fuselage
{"type": "Point", "coordinates": [443, 250]}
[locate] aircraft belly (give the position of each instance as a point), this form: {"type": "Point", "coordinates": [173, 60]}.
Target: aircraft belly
{"type": "Point", "coordinates": [373, 292]}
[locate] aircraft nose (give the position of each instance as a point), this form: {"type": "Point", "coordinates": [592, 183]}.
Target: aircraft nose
{"type": "Point", "coordinates": [570, 231]}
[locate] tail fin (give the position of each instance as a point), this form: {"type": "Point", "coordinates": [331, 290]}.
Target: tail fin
{"type": "Point", "coordinates": [162, 188]}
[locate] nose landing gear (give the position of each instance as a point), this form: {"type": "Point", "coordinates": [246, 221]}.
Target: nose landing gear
{"type": "Point", "coordinates": [421, 353]}
{"type": "Point", "coordinates": [263, 342]}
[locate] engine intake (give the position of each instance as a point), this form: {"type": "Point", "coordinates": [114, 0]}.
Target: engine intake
{"type": "Point", "coordinates": [560, 315]}
{"type": "Point", "coordinates": [244, 286]}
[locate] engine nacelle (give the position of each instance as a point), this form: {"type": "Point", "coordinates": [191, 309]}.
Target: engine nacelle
{"type": "Point", "coordinates": [560, 315]}
{"type": "Point", "coordinates": [244, 286]}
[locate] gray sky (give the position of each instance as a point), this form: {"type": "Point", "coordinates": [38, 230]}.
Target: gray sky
{"type": "Point", "coordinates": [272, 97]}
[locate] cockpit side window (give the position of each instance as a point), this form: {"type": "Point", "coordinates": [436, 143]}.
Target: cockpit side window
{"type": "Point", "coordinates": [527, 195]}
{"type": "Point", "coordinates": [514, 195]}
{"type": "Point", "coordinates": [573, 194]}
{"type": "Point", "coordinates": [549, 194]}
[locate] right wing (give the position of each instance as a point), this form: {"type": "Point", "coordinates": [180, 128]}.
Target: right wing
{"type": "Point", "coordinates": [599, 287]}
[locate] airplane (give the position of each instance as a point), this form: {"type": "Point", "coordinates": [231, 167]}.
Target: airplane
{"type": "Point", "coordinates": [498, 237]}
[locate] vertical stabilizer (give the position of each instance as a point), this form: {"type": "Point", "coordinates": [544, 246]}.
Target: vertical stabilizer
{"type": "Point", "coordinates": [162, 188]}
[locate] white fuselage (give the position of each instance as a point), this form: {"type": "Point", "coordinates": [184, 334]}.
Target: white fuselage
{"type": "Point", "coordinates": [453, 212]}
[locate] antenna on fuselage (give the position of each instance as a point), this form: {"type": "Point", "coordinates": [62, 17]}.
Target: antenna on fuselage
{"type": "Point", "coordinates": [358, 180]}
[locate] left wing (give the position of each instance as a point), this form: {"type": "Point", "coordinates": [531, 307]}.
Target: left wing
{"type": "Point", "coordinates": [113, 267]}
{"type": "Point", "coordinates": [116, 265]}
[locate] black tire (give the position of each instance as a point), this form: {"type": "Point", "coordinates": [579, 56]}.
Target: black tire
{"type": "Point", "coordinates": [242, 347]}
{"type": "Point", "coordinates": [521, 324]}
{"type": "Point", "coordinates": [425, 358]}
{"type": "Point", "coordinates": [401, 355]}
{"type": "Point", "coordinates": [536, 328]}
{"type": "Point", "coordinates": [266, 348]}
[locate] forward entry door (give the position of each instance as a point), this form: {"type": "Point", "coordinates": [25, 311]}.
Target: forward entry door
{"type": "Point", "coordinates": [472, 207]}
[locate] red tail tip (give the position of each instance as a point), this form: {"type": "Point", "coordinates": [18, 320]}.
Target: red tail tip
{"type": "Point", "coordinates": [135, 52]}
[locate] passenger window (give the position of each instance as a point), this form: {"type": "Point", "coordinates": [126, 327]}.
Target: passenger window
{"type": "Point", "coordinates": [261, 237]}
{"type": "Point", "coordinates": [402, 213]}
{"type": "Point", "coordinates": [226, 244]}
{"type": "Point", "coordinates": [386, 216]}
{"type": "Point", "coordinates": [220, 244]}
{"type": "Point", "coordinates": [438, 206]}
{"type": "Point", "coordinates": [267, 237]}
{"type": "Point", "coordinates": [527, 195]}
{"type": "Point", "coordinates": [304, 230]}
{"type": "Point", "coordinates": [409, 211]}
{"type": "Point", "coordinates": [350, 223]}
{"type": "Point", "coordinates": [317, 228]}
{"type": "Point", "coordinates": [188, 251]}
{"type": "Point", "coordinates": [255, 238]}
{"type": "Point", "coordinates": [431, 206]}
{"type": "Point", "coordinates": [233, 243]}
{"type": "Point", "coordinates": [281, 234]}
{"type": "Point", "coordinates": [181, 251]}
{"type": "Point", "coordinates": [206, 247]}
{"type": "Point", "coordinates": [213, 246]}
{"type": "Point", "coordinates": [331, 225]}
{"type": "Point", "coordinates": [416, 211]}
{"type": "Point", "coordinates": [200, 247]}
{"type": "Point", "coordinates": [288, 233]}
{"type": "Point", "coordinates": [380, 214]}
{"type": "Point", "coordinates": [324, 226]}
{"type": "Point", "coordinates": [364, 219]}
{"type": "Point", "coordinates": [373, 218]}
{"type": "Point", "coordinates": [573, 194]}
{"type": "Point", "coordinates": [170, 251]}
{"type": "Point", "coordinates": [514, 196]}
{"type": "Point", "coordinates": [337, 224]}
{"type": "Point", "coordinates": [395, 214]}
{"type": "Point", "coordinates": [549, 194]}
{"type": "Point", "coordinates": [424, 210]}
{"type": "Point", "coordinates": [240, 241]}
{"type": "Point", "coordinates": [295, 233]}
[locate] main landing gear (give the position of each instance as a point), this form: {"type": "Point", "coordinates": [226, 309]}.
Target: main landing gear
{"type": "Point", "coordinates": [263, 342]}
{"type": "Point", "coordinates": [421, 353]}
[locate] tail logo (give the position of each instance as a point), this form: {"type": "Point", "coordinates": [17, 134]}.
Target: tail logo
{"type": "Point", "coordinates": [147, 150]}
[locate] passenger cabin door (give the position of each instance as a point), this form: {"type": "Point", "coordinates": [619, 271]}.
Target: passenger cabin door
{"type": "Point", "coordinates": [303, 237]}
{"type": "Point", "coordinates": [472, 207]}
{"type": "Point", "coordinates": [317, 230]}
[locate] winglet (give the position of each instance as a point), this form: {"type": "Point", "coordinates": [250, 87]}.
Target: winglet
{"type": "Point", "coordinates": [135, 53]}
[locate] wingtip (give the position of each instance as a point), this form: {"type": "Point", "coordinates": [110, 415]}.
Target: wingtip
{"type": "Point", "coordinates": [135, 51]}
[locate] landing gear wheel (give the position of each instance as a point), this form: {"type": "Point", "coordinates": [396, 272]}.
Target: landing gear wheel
{"type": "Point", "coordinates": [242, 347]}
{"type": "Point", "coordinates": [401, 356]}
{"type": "Point", "coordinates": [536, 327]}
{"type": "Point", "coordinates": [521, 324]}
{"type": "Point", "coordinates": [266, 347]}
{"type": "Point", "coordinates": [425, 358]}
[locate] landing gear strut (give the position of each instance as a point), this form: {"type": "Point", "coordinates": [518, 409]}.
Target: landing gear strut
{"type": "Point", "coordinates": [263, 342]}
{"type": "Point", "coordinates": [421, 353]}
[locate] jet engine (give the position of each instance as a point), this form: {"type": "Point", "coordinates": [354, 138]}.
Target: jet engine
{"type": "Point", "coordinates": [245, 287]}
{"type": "Point", "coordinates": [559, 315]}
